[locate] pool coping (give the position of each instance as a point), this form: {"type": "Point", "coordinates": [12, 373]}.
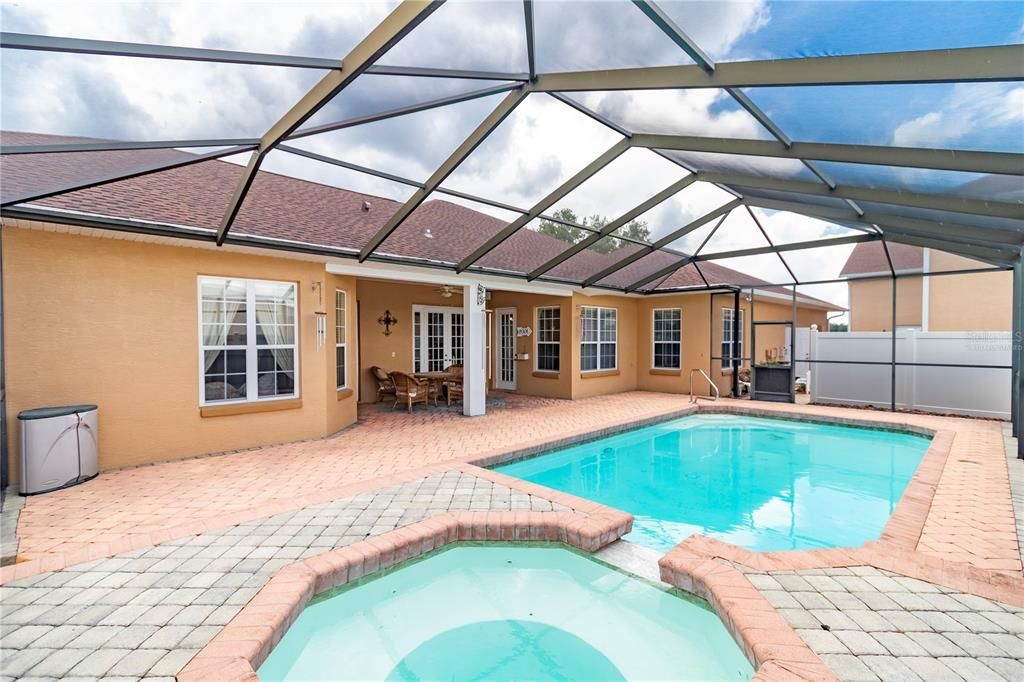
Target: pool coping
{"type": "Point", "coordinates": [234, 654]}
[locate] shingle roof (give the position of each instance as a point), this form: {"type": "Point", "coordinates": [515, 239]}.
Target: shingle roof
{"type": "Point", "coordinates": [283, 207]}
{"type": "Point", "coordinates": [869, 257]}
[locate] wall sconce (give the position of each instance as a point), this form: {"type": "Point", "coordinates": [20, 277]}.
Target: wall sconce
{"type": "Point", "coordinates": [388, 321]}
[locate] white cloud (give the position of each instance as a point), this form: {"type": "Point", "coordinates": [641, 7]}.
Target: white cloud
{"type": "Point", "coordinates": [970, 109]}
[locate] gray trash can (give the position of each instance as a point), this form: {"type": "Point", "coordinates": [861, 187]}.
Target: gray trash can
{"type": "Point", "coordinates": [58, 447]}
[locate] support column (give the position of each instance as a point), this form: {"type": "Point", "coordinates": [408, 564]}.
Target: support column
{"type": "Point", "coordinates": [1017, 351]}
{"type": "Point", "coordinates": [734, 352]}
{"type": "Point", "coordinates": [474, 303]}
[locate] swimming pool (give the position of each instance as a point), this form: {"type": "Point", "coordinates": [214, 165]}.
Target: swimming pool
{"type": "Point", "coordinates": [506, 612]}
{"type": "Point", "coordinates": [763, 484]}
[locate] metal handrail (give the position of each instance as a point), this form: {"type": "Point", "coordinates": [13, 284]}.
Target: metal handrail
{"type": "Point", "coordinates": [704, 374]}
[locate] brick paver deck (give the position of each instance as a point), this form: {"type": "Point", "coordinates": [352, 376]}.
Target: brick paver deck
{"type": "Point", "coordinates": [206, 533]}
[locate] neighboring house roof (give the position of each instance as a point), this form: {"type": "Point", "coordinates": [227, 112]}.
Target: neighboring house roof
{"type": "Point", "coordinates": [283, 207]}
{"type": "Point", "coordinates": [869, 257]}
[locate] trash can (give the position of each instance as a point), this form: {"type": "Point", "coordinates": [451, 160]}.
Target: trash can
{"type": "Point", "coordinates": [58, 447]}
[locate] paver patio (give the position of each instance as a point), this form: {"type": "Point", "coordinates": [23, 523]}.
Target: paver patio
{"type": "Point", "coordinates": [253, 512]}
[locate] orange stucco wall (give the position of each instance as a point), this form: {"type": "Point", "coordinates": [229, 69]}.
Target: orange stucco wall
{"type": "Point", "coordinates": [115, 322]}
{"type": "Point", "coordinates": [871, 304]}
{"type": "Point", "coordinates": [528, 380]}
{"type": "Point", "coordinates": [586, 384]}
{"type": "Point", "coordinates": [696, 351]}
{"type": "Point", "coordinates": [975, 302]}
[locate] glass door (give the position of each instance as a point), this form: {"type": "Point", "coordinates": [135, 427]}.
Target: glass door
{"type": "Point", "coordinates": [505, 361]}
{"type": "Point", "coordinates": [438, 338]}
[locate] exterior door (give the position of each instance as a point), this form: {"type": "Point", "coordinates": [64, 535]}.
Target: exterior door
{"type": "Point", "coordinates": [505, 349]}
{"type": "Point", "coordinates": [438, 335]}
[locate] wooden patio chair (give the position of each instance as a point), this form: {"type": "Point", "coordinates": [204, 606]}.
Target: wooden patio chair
{"type": "Point", "coordinates": [385, 386]}
{"type": "Point", "coordinates": [454, 383]}
{"type": "Point", "coordinates": [409, 389]}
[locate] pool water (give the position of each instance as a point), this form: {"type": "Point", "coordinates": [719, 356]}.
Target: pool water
{"type": "Point", "coordinates": [763, 484]}
{"type": "Point", "coordinates": [502, 612]}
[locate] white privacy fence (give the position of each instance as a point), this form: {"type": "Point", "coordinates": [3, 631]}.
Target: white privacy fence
{"type": "Point", "coordinates": [970, 391]}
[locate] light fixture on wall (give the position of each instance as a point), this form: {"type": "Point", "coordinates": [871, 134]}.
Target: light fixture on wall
{"type": "Point", "coordinates": [387, 320]}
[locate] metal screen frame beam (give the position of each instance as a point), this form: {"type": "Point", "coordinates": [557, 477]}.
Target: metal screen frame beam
{"type": "Point", "coordinates": [581, 176]}
{"type": "Point", "coordinates": [110, 48]}
{"type": "Point", "coordinates": [999, 163]}
{"type": "Point", "coordinates": [962, 65]}
{"type": "Point", "coordinates": [377, 42]}
{"type": "Point", "coordinates": [924, 200]}
{"type": "Point", "coordinates": [664, 241]}
{"type": "Point", "coordinates": [479, 134]}
{"type": "Point", "coordinates": [614, 225]}
{"type": "Point", "coordinates": [139, 171]}
{"type": "Point", "coordinates": [764, 233]}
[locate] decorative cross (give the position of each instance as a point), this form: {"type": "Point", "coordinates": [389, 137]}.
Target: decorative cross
{"type": "Point", "coordinates": [388, 320]}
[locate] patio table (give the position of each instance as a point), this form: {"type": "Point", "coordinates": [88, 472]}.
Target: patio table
{"type": "Point", "coordinates": [435, 379]}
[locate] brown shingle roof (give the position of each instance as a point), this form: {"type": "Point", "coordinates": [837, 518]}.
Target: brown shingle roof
{"type": "Point", "coordinates": [283, 207]}
{"type": "Point", "coordinates": [869, 257]}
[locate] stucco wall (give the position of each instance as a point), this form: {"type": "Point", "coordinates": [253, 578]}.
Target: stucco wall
{"type": "Point", "coordinates": [586, 384]}
{"type": "Point", "coordinates": [392, 352]}
{"type": "Point", "coordinates": [115, 322]}
{"type": "Point", "coordinates": [528, 380]}
{"type": "Point", "coordinates": [871, 304]}
{"type": "Point", "coordinates": [976, 302]}
{"type": "Point", "coordinates": [696, 351]}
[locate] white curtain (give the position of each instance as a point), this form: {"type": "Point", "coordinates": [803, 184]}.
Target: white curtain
{"type": "Point", "coordinates": [215, 331]}
{"type": "Point", "coordinates": [267, 319]}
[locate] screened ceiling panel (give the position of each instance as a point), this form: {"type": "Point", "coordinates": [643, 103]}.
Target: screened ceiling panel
{"type": "Point", "coordinates": [810, 199]}
{"type": "Point", "coordinates": [623, 184]}
{"type": "Point", "coordinates": [1008, 224]}
{"type": "Point", "coordinates": [539, 146]}
{"type": "Point", "coordinates": [783, 227]}
{"type": "Point", "coordinates": [709, 112]}
{"type": "Point", "coordinates": [822, 263]}
{"type": "Point", "coordinates": [751, 269]}
{"type": "Point", "coordinates": [604, 253]}
{"type": "Point", "coordinates": [643, 268]}
{"type": "Point", "coordinates": [761, 166]}
{"type": "Point", "coordinates": [737, 231]}
{"type": "Point", "coordinates": [816, 29]}
{"type": "Point", "coordinates": [484, 36]}
{"type": "Point", "coordinates": [573, 36]}
{"type": "Point", "coordinates": [925, 180]}
{"type": "Point", "coordinates": [375, 94]}
{"type": "Point", "coordinates": [976, 116]}
{"type": "Point", "coordinates": [294, 166]}
{"type": "Point", "coordinates": [145, 99]}
{"type": "Point", "coordinates": [411, 146]}
{"type": "Point", "coordinates": [528, 248]}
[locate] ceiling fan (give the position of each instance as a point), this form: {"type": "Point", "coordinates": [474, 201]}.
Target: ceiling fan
{"type": "Point", "coordinates": [446, 290]}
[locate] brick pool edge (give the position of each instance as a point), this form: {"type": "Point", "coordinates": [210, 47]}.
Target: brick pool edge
{"type": "Point", "coordinates": [243, 644]}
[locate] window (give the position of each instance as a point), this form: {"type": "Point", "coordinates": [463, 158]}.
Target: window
{"type": "Point", "coordinates": [339, 338]}
{"type": "Point", "coordinates": [598, 336]}
{"type": "Point", "coordinates": [727, 330]}
{"type": "Point", "coordinates": [668, 338]}
{"type": "Point", "coordinates": [549, 344]}
{"type": "Point", "coordinates": [248, 332]}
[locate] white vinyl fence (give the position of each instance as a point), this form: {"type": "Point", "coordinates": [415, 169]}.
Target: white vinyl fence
{"type": "Point", "coordinates": [974, 392]}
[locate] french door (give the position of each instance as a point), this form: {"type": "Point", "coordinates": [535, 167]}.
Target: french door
{"type": "Point", "coordinates": [505, 349]}
{"type": "Point", "coordinates": [438, 337]}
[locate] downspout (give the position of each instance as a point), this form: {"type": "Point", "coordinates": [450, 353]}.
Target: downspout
{"type": "Point", "coordinates": [926, 290]}
{"type": "Point", "coordinates": [4, 473]}
{"type": "Point", "coordinates": [1017, 351]}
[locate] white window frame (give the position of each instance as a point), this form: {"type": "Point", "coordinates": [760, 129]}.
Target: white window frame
{"type": "Point", "coordinates": [601, 311]}
{"type": "Point", "coordinates": [739, 361]}
{"type": "Point", "coordinates": [343, 328]}
{"type": "Point", "coordinates": [251, 347]}
{"type": "Point", "coordinates": [654, 340]}
{"type": "Point", "coordinates": [537, 341]}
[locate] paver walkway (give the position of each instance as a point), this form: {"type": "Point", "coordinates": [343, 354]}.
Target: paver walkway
{"type": "Point", "coordinates": [144, 614]}
{"type": "Point", "coordinates": [877, 626]}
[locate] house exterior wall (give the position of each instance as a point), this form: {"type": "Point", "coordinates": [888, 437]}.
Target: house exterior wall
{"type": "Point", "coordinates": [115, 322]}
{"type": "Point", "coordinates": [394, 351]}
{"type": "Point", "coordinates": [528, 380]}
{"type": "Point", "coordinates": [871, 304]}
{"type": "Point", "coordinates": [695, 351]}
{"type": "Point", "coordinates": [976, 302]}
{"type": "Point", "coordinates": [586, 384]}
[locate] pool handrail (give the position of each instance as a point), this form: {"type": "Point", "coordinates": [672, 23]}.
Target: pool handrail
{"type": "Point", "coordinates": [704, 374]}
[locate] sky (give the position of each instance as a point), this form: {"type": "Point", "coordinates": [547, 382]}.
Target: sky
{"type": "Point", "coordinates": [544, 141]}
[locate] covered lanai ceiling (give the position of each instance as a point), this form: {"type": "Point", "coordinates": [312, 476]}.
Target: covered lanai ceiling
{"type": "Point", "coordinates": [744, 136]}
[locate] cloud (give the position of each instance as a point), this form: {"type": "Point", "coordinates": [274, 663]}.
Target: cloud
{"type": "Point", "coordinates": [968, 113]}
